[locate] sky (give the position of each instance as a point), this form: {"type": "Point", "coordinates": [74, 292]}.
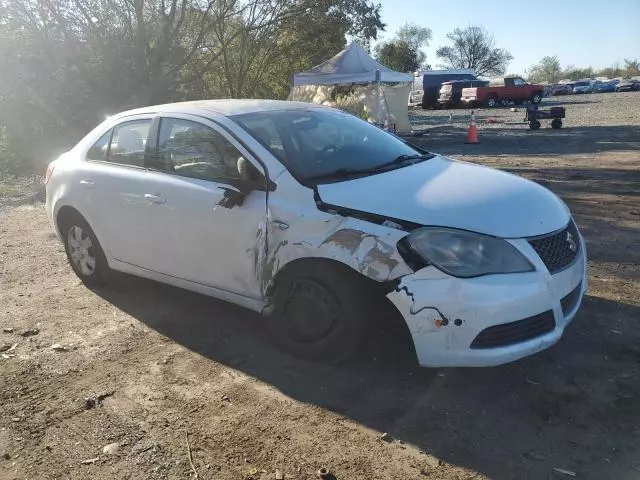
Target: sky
{"type": "Point", "coordinates": [580, 32]}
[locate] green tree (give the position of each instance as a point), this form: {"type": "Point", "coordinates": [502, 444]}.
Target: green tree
{"type": "Point", "coordinates": [67, 64]}
{"type": "Point", "coordinates": [573, 73]}
{"type": "Point", "coordinates": [631, 67]}
{"type": "Point", "coordinates": [417, 37]}
{"type": "Point", "coordinates": [546, 70]}
{"type": "Point", "coordinates": [398, 55]}
{"type": "Point", "coordinates": [474, 47]}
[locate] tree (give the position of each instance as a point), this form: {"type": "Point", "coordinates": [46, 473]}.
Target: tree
{"type": "Point", "coordinates": [573, 73]}
{"type": "Point", "coordinates": [417, 37]}
{"type": "Point", "coordinates": [474, 48]}
{"type": "Point", "coordinates": [398, 55]}
{"type": "Point", "coordinates": [631, 67]}
{"type": "Point", "coordinates": [546, 70]}
{"type": "Point", "coordinates": [75, 61]}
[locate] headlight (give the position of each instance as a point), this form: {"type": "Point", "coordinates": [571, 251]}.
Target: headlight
{"type": "Point", "coordinates": [465, 254]}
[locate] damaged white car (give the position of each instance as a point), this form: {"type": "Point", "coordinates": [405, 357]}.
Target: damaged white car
{"type": "Point", "coordinates": [303, 213]}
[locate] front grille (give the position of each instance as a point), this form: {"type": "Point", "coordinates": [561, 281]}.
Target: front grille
{"type": "Point", "coordinates": [569, 302]}
{"type": "Point", "coordinates": [558, 250]}
{"type": "Point", "coordinates": [515, 332]}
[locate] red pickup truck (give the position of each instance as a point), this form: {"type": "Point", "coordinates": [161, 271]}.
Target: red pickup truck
{"type": "Point", "coordinates": [502, 91]}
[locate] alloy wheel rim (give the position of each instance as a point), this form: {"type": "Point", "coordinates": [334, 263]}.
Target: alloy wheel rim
{"type": "Point", "coordinates": [81, 250]}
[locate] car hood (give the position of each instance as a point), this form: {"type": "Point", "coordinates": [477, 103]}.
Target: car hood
{"type": "Point", "coordinates": [449, 193]}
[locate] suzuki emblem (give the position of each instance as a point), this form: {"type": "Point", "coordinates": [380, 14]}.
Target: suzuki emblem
{"type": "Point", "coordinates": [571, 243]}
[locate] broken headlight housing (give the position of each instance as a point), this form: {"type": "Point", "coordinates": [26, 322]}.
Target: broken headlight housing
{"type": "Point", "coordinates": [461, 253]}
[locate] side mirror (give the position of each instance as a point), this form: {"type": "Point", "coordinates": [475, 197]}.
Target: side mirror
{"type": "Point", "coordinates": [232, 197]}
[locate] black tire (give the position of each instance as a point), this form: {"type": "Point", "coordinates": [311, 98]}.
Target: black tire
{"type": "Point", "coordinates": [321, 311]}
{"type": "Point", "coordinates": [492, 101]}
{"type": "Point", "coordinates": [92, 273]}
{"type": "Point", "coordinates": [556, 123]}
{"type": "Point", "coordinates": [536, 98]}
{"type": "Point", "coordinates": [534, 125]}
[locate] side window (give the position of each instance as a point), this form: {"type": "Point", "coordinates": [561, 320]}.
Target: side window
{"type": "Point", "coordinates": [191, 149]}
{"type": "Point", "coordinates": [519, 81]}
{"type": "Point", "coordinates": [99, 149]}
{"type": "Point", "coordinates": [128, 143]}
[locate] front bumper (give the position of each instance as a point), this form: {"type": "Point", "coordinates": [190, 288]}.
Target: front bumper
{"type": "Point", "coordinates": [445, 314]}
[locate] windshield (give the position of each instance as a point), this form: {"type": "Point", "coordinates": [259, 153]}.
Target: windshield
{"type": "Point", "coordinates": [318, 143]}
{"type": "Point", "coordinates": [581, 84]}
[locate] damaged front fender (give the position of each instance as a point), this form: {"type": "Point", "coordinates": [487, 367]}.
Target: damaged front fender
{"type": "Point", "coordinates": [366, 247]}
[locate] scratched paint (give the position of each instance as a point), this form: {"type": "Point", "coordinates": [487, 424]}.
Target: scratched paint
{"type": "Point", "coordinates": [367, 248]}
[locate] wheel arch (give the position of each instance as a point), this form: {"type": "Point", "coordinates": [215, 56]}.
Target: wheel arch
{"type": "Point", "coordinates": [300, 265]}
{"type": "Point", "coordinates": [68, 212]}
{"type": "Point", "coordinates": [369, 251]}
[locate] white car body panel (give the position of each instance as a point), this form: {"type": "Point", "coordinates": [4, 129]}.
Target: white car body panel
{"type": "Point", "coordinates": [186, 239]}
{"type": "Point", "coordinates": [430, 296]}
{"type": "Point", "coordinates": [443, 192]}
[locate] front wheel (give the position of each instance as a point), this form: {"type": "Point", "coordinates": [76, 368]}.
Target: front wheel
{"type": "Point", "coordinates": [534, 124]}
{"type": "Point", "coordinates": [320, 312]}
{"type": "Point", "coordinates": [492, 102]}
{"type": "Point", "coordinates": [84, 252]}
{"type": "Point", "coordinates": [536, 98]}
{"type": "Point", "coordinates": [556, 123]}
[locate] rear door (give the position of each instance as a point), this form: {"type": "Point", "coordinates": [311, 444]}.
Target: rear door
{"type": "Point", "coordinates": [113, 183]}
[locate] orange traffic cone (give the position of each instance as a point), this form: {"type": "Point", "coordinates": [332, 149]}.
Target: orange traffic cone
{"type": "Point", "coordinates": [472, 132]}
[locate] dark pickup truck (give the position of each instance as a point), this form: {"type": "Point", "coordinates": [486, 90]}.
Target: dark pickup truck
{"type": "Point", "coordinates": [502, 91]}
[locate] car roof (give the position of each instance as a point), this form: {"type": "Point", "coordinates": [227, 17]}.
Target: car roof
{"type": "Point", "coordinates": [223, 106]}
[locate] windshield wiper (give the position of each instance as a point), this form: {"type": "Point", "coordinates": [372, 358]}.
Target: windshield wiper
{"type": "Point", "coordinates": [348, 172]}
{"type": "Point", "coordinates": [400, 159]}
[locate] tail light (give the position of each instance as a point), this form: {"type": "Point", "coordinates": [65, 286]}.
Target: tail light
{"type": "Point", "coordinates": [50, 168]}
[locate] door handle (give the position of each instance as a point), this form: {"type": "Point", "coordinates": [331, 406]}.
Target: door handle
{"type": "Point", "coordinates": [279, 225]}
{"type": "Point", "coordinates": [87, 183]}
{"type": "Point", "coordinates": [153, 198]}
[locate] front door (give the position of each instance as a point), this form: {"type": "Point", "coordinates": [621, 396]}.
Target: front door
{"type": "Point", "coordinates": [194, 232]}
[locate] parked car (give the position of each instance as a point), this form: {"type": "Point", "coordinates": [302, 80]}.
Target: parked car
{"type": "Point", "coordinates": [415, 97]}
{"type": "Point", "coordinates": [583, 86]}
{"type": "Point", "coordinates": [311, 216]}
{"type": "Point", "coordinates": [602, 87]}
{"type": "Point", "coordinates": [628, 86]}
{"type": "Point", "coordinates": [430, 81]}
{"type": "Point", "coordinates": [562, 89]}
{"type": "Point", "coordinates": [451, 91]}
{"type": "Point", "coordinates": [502, 90]}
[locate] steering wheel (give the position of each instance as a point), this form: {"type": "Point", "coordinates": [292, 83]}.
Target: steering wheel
{"type": "Point", "coordinates": [325, 150]}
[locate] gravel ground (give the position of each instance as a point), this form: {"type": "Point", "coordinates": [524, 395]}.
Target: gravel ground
{"type": "Point", "coordinates": [584, 111]}
{"type": "Point", "coordinates": [143, 365]}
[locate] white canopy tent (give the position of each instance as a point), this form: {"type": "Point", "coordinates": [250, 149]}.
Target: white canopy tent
{"type": "Point", "coordinates": [382, 92]}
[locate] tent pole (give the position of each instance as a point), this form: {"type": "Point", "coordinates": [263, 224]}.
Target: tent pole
{"type": "Point", "coordinates": [378, 100]}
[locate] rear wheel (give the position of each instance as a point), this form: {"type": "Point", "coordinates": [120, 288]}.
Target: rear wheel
{"type": "Point", "coordinates": [556, 123]}
{"type": "Point", "coordinates": [536, 98]}
{"type": "Point", "coordinates": [492, 102]}
{"type": "Point", "coordinates": [320, 311]}
{"type": "Point", "coordinates": [84, 251]}
{"type": "Point", "coordinates": [534, 124]}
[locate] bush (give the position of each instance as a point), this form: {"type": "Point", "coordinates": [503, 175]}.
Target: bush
{"type": "Point", "coordinates": [11, 160]}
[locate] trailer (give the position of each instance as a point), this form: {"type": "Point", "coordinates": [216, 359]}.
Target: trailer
{"type": "Point", "coordinates": [534, 115]}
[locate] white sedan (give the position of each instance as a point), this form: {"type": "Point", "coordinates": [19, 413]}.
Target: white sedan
{"type": "Point", "coordinates": [304, 213]}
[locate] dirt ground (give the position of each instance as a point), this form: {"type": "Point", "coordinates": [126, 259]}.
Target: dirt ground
{"type": "Point", "coordinates": [143, 365]}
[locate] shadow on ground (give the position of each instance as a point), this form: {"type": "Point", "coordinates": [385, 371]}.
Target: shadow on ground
{"type": "Point", "coordinates": [528, 416]}
{"type": "Point", "coordinates": [573, 407]}
{"type": "Point", "coordinates": [519, 140]}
